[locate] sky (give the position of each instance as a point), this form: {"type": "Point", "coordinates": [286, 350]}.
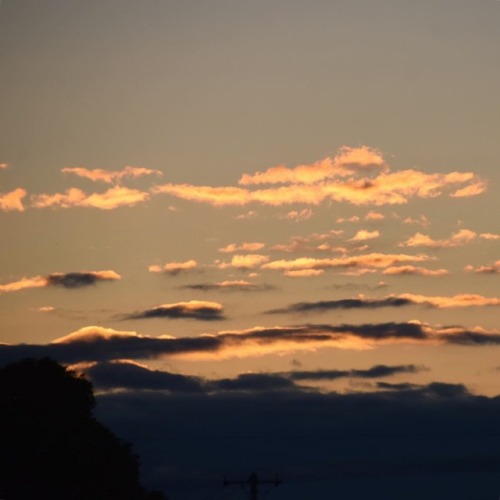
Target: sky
{"type": "Point", "coordinates": [266, 230]}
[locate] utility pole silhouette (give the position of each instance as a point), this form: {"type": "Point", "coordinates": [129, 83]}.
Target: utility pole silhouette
{"type": "Point", "coordinates": [253, 481]}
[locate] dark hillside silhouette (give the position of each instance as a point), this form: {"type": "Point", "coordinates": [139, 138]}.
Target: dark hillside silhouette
{"type": "Point", "coordinates": [51, 446]}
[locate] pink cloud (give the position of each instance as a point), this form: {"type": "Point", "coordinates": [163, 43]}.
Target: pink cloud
{"type": "Point", "coordinates": [174, 267]}
{"type": "Point", "coordinates": [415, 271]}
{"type": "Point", "coordinates": [459, 238]}
{"type": "Point", "coordinates": [248, 261]}
{"type": "Point", "coordinates": [493, 269]}
{"type": "Point", "coordinates": [364, 235]}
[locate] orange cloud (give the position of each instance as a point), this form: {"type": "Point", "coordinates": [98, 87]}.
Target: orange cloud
{"type": "Point", "coordinates": [343, 178]}
{"type": "Point", "coordinates": [493, 269]}
{"type": "Point", "coordinates": [461, 300]}
{"type": "Point", "coordinates": [244, 247]}
{"type": "Point", "coordinates": [108, 176]}
{"type": "Point", "coordinates": [15, 286]}
{"type": "Point", "coordinates": [12, 201]}
{"type": "Point", "coordinates": [113, 198]}
{"type": "Point", "coordinates": [304, 273]}
{"type": "Point", "coordinates": [415, 271]}
{"type": "Point", "coordinates": [459, 238]}
{"type": "Point", "coordinates": [373, 260]}
{"type": "Point", "coordinates": [345, 163]}
{"type": "Point", "coordinates": [3, 166]}
{"type": "Point", "coordinates": [91, 334]}
{"type": "Point", "coordinates": [248, 261]}
{"type": "Point", "coordinates": [489, 236]}
{"type": "Point", "coordinates": [471, 190]}
{"type": "Point", "coordinates": [364, 235]}
{"type": "Point", "coordinates": [174, 267]}
{"type": "Point", "coordinates": [372, 215]}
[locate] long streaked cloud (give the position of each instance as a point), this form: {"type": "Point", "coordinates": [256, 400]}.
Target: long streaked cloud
{"type": "Point", "coordinates": [493, 269]}
{"type": "Point", "coordinates": [230, 285]}
{"type": "Point", "coordinates": [193, 309]}
{"type": "Point", "coordinates": [409, 270]}
{"type": "Point", "coordinates": [400, 300]}
{"type": "Point", "coordinates": [110, 176]}
{"type": "Point", "coordinates": [174, 268]}
{"type": "Point", "coordinates": [114, 197]}
{"type": "Point", "coordinates": [242, 247]}
{"type": "Point", "coordinates": [358, 176]}
{"type": "Point", "coordinates": [96, 343]}
{"type": "Point", "coordinates": [372, 260]}
{"type": "Point", "coordinates": [70, 280]}
{"type": "Point", "coordinates": [12, 201]}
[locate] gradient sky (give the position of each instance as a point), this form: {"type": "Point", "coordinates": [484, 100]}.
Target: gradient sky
{"type": "Point", "coordinates": [315, 185]}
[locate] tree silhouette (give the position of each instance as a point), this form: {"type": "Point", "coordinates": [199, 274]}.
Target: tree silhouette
{"type": "Point", "coordinates": [51, 446]}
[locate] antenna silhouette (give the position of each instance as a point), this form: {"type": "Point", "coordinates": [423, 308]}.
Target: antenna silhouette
{"type": "Point", "coordinates": [253, 482]}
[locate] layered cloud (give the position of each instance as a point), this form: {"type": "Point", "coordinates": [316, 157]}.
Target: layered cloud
{"type": "Point", "coordinates": [243, 247]}
{"type": "Point", "coordinates": [193, 309]}
{"type": "Point", "coordinates": [372, 260]}
{"type": "Point", "coordinates": [114, 197]}
{"type": "Point", "coordinates": [71, 280]}
{"type": "Point", "coordinates": [358, 176]}
{"type": "Point", "coordinates": [409, 270]}
{"type": "Point", "coordinates": [103, 344]}
{"type": "Point", "coordinates": [12, 201]}
{"type": "Point", "coordinates": [109, 176]}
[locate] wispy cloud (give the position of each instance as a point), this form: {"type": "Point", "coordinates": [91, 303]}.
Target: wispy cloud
{"type": "Point", "coordinates": [193, 309]}
{"type": "Point", "coordinates": [298, 215]}
{"type": "Point", "coordinates": [114, 197]}
{"type": "Point", "coordinates": [247, 261]}
{"type": "Point", "coordinates": [110, 176]}
{"type": "Point", "coordinates": [66, 280]}
{"type": "Point", "coordinates": [12, 201]}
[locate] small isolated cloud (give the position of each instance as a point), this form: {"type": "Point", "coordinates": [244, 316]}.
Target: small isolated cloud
{"type": "Point", "coordinates": [248, 261]}
{"type": "Point", "coordinates": [46, 309]}
{"type": "Point", "coordinates": [459, 238]}
{"type": "Point", "coordinates": [114, 197]}
{"type": "Point", "coordinates": [12, 201]}
{"type": "Point", "coordinates": [372, 216]}
{"type": "Point", "coordinates": [251, 214]}
{"type": "Point", "coordinates": [298, 215]}
{"type": "Point", "coordinates": [174, 268]}
{"type": "Point", "coordinates": [419, 221]}
{"type": "Point", "coordinates": [493, 269]}
{"type": "Point", "coordinates": [193, 309]}
{"type": "Point", "coordinates": [230, 285]}
{"type": "Point", "coordinates": [109, 176]}
{"type": "Point", "coordinates": [342, 220]}
{"type": "Point", "coordinates": [303, 273]}
{"type": "Point", "coordinates": [66, 280]}
{"type": "Point", "coordinates": [364, 235]}
{"type": "Point", "coordinates": [3, 166]}
{"type": "Point", "coordinates": [312, 242]}
{"type": "Point", "coordinates": [415, 271]}
{"type": "Point", "coordinates": [243, 247]}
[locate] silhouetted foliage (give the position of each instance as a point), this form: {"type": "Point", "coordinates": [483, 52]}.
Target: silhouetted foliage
{"type": "Point", "coordinates": [51, 446]}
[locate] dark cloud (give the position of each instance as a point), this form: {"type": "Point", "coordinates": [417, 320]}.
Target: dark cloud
{"type": "Point", "coordinates": [433, 441]}
{"type": "Point", "coordinates": [230, 287]}
{"type": "Point", "coordinates": [373, 372]}
{"type": "Point", "coordinates": [99, 344]}
{"type": "Point", "coordinates": [255, 382]}
{"type": "Point", "coordinates": [129, 375]}
{"type": "Point", "coordinates": [327, 305]}
{"type": "Point", "coordinates": [201, 311]}
{"type": "Point", "coordinates": [80, 279]}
